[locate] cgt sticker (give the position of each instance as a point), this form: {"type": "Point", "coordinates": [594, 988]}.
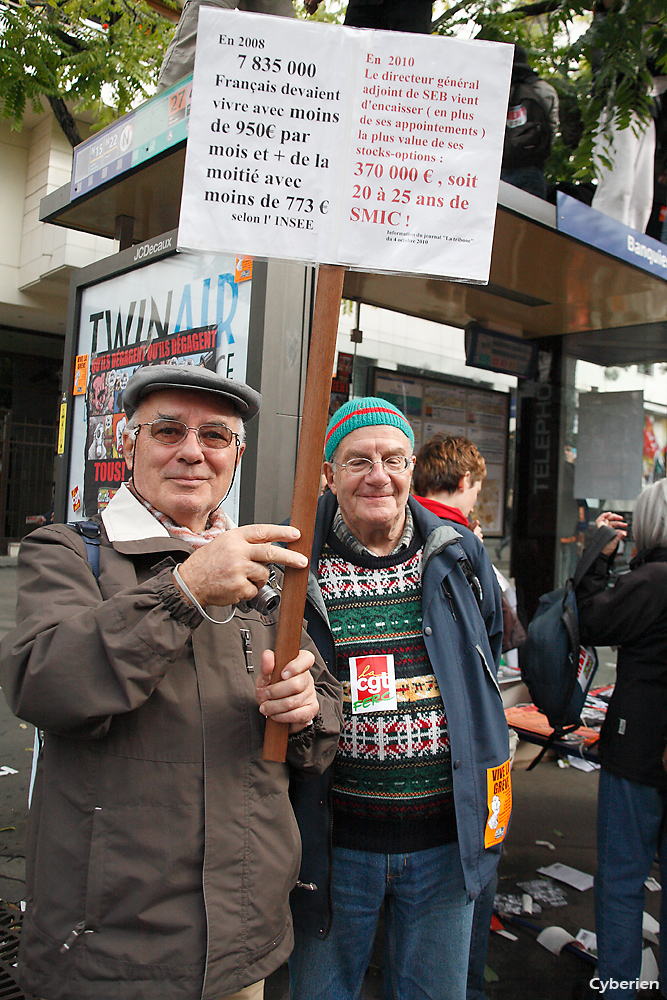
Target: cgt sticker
{"type": "Point", "coordinates": [499, 800]}
{"type": "Point", "coordinates": [372, 683]}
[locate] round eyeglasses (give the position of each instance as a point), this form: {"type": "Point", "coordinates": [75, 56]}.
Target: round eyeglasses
{"type": "Point", "coordinates": [174, 432]}
{"type": "Point", "coordinates": [395, 464]}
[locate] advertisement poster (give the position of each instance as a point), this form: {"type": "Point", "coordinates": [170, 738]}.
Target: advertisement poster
{"type": "Point", "coordinates": [182, 310]}
{"type": "Point", "coordinates": [373, 149]}
{"type": "Point", "coordinates": [654, 459]}
{"type": "Point", "coordinates": [105, 467]}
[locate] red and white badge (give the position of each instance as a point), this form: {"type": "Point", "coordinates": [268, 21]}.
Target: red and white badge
{"type": "Point", "coordinates": [517, 115]}
{"type": "Point", "coordinates": [588, 661]}
{"type": "Point", "coordinates": [372, 683]}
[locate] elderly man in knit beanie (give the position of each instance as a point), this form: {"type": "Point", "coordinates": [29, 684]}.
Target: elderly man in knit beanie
{"type": "Point", "coordinates": [406, 613]}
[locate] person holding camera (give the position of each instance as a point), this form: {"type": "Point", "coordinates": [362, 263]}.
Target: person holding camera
{"type": "Point", "coordinates": [161, 848]}
{"type": "Point", "coordinates": [629, 611]}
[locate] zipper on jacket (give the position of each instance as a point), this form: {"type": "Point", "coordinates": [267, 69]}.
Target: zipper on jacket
{"type": "Point", "coordinates": [473, 580]}
{"type": "Point", "coordinates": [75, 933]}
{"type": "Point", "coordinates": [310, 886]}
{"type": "Point", "coordinates": [246, 641]}
{"type": "Point", "coordinates": [448, 595]}
{"type": "Point", "coordinates": [488, 668]}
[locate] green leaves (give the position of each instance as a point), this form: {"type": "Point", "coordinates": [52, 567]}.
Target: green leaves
{"type": "Point", "coordinates": [601, 66]}
{"type": "Point", "coordinates": [104, 55]}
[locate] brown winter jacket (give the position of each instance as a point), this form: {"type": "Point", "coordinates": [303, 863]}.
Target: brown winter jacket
{"type": "Point", "coordinates": [161, 848]}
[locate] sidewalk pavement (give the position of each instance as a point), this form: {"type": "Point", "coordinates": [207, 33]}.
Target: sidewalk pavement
{"type": "Point", "coordinates": [552, 806]}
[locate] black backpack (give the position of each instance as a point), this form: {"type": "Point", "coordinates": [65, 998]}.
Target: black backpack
{"type": "Point", "coordinates": [557, 669]}
{"type": "Point", "coordinates": [528, 133]}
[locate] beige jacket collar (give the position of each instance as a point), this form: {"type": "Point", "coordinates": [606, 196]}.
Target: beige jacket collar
{"type": "Point", "coordinates": [127, 520]}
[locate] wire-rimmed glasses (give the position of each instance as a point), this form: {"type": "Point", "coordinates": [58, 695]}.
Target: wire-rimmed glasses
{"type": "Point", "coordinates": [173, 432]}
{"type": "Point", "coordinates": [393, 464]}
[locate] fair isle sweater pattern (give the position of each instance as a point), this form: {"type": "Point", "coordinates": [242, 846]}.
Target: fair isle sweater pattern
{"type": "Point", "coordinates": [392, 778]}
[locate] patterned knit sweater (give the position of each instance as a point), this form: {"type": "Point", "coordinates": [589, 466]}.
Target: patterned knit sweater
{"type": "Point", "coordinates": [392, 778]}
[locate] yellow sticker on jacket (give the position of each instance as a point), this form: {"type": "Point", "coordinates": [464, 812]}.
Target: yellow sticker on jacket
{"type": "Point", "coordinates": [499, 798]}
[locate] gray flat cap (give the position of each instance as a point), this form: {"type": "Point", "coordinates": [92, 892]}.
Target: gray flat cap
{"type": "Point", "coordinates": [153, 378]}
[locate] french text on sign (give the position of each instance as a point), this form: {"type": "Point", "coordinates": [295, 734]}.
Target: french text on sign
{"type": "Point", "coordinates": [399, 161]}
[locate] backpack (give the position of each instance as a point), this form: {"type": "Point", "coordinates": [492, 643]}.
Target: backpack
{"type": "Point", "coordinates": [557, 669]}
{"type": "Point", "coordinates": [528, 131]}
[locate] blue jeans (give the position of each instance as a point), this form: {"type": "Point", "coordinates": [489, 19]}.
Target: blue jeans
{"type": "Point", "coordinates": [479, 939]}
{"type": "Point", "coordinates": [427, 928]}
{"type": "Point", "coordinates": [631, 829]}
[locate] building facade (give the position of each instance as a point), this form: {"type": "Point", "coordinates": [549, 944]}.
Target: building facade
{"type": "Point", "coordinates": [36, 262]}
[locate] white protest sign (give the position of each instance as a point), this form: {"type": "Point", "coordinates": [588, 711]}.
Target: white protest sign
{"type": "Point", "coordinates": [268, 125]}
{"type": "Point", "coordinates": [373, 149]}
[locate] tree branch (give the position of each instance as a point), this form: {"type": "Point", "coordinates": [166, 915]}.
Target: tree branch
{"type": "Point", "coordinates": [450, 13]}
{"type": "Point", "coordinates": [524, 10]}
{"type": "Point", "coordinates": [69, 40]}
{"type": "Point", "coordinates": [540, 7]}
{"type": "Point", "coordinates": [65, 119]}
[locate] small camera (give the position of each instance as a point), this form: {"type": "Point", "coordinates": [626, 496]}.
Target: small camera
{"type": "Point", "coordinates": [266, 600]}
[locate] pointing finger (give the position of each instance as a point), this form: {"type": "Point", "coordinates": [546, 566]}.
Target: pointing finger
{"type": "Point", "coordinates": [270, 533]}
{"type": "Point", "coordinates": [280, 556]}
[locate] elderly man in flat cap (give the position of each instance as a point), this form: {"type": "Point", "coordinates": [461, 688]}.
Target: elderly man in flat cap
{"type": "Point", "coordinates": [162, 849]}
{"type": "Point", "coordinates": [407, 612]}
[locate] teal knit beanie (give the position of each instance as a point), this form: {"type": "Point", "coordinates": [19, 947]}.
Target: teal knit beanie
{"type": "Point", "coordinates": [363, 412]}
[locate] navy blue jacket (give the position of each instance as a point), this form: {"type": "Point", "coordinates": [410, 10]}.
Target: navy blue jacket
{"type": "Point", "coordinates": [463, 639]}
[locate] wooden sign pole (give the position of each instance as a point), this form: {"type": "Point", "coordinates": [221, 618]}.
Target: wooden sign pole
{"type": "Point", "coordinates": [307, 481]}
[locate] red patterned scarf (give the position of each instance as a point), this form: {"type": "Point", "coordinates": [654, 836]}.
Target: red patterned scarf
{"type": "Point", "coordinates": [216, 524]}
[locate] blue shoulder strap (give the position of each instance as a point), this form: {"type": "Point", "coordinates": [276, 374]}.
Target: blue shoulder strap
{"type": "Point", "coordinates": [90, 532]}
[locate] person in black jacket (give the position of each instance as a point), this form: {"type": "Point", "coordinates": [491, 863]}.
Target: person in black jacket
{"type": "Point", "coordinates": [390, 15]}
{"type": "Point", "coordinates": [532, 124]}
{"type": "Point", "coordinates": [632, 803]}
